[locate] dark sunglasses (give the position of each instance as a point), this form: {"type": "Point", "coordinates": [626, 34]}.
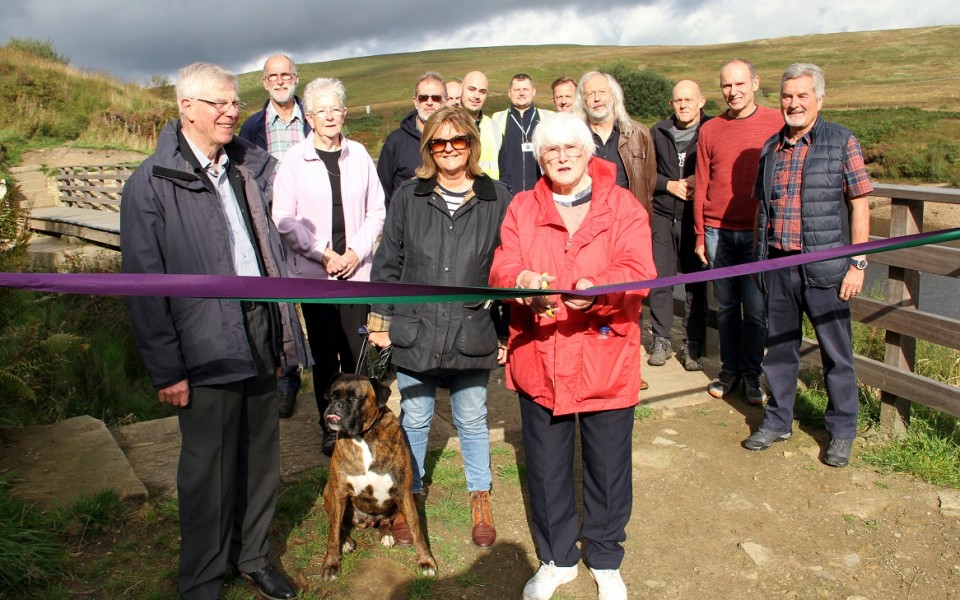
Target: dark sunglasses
{"type": "Point", "coordinates": [461, 142]}
{"type": "Point", "coordinates": [435, 97]}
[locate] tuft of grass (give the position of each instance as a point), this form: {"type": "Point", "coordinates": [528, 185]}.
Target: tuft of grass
{"type": "Point", "coordinates": [444, 470]}
{"type": "Point", "coordinates": [469, 579]}
{"type": "Point", "coordinates": [452, 511]}
{"type": "Point", "coordinates": [512, 473]}
{"type": "Point", "coordinates": [90, 517]}
{"type": "Point", "coordinates": [642, 413]}
{"type": "Point", "coordinates": [30, 552]}
{"type": "Point", "coordinates": [926, 451]}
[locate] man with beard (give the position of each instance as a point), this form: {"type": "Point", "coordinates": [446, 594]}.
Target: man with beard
{"type": "Point", "coordinates": [518, 166]}
{"type": "Point", "coordinates": [619, 139]}
{"type": "Point", "coordinates": [475, 86]}
{"type": "Point", "coordinates": [276, 128]}
{"type": "Point", "coordinates": [280, 124]}
{"type": "Point", "coordinates": [400, 155]}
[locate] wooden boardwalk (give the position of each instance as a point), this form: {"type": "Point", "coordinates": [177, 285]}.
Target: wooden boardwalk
{"type": "Point", "coordinates": [101, 227]}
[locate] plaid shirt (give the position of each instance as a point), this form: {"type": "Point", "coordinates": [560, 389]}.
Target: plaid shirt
{"type": "Point", "coordinates": [785, 221]}
{"type": "Point", "coordinates": [281, 136]}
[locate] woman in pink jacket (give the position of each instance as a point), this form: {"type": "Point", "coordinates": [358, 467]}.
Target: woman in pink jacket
{"type": "Point", "coordinates": [328, 205]}
{"type": "Point", "coordinates": [575, 357]}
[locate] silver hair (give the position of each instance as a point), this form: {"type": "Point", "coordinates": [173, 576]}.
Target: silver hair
{"type": "Point", "coordinates": [323, 86]}
{"type": "Point", "coordinates": [620, 115]}
{"type": "Point", "coordinates": [562, 128]}
{"type": "Point", "coordinates": [193, 80]}
{"type": "Point", "coordinates": [431, 76]}
{"type": "Point", "coordinates": [798, 70]}
{"type": "Point", "coordinates": [293, 65]}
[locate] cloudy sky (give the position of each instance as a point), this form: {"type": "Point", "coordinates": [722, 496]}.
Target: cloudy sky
{"type": "Point", "coordinates": [135, 39]}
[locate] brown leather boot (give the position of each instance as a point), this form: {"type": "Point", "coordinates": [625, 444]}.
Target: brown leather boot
{"type": "Point", "coordinates": [484, 533]}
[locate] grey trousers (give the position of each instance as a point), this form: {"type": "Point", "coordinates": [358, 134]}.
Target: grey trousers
{"type": "Point", "coordinates": [229, 471]}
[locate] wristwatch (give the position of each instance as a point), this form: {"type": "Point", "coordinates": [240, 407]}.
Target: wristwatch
{"type": "Point", "coordinates": [860, 263]}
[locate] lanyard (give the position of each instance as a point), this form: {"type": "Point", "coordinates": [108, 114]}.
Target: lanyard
{"type": "Point", "coordinates": [525, 132]}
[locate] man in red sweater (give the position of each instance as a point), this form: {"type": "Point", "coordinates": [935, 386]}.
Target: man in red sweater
{"type": "Point", "coordinates": [724, 209]}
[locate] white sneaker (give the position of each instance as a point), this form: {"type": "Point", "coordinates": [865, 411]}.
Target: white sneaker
{"type": "Point", "coordinates": [609, 584]}
{"type": "Point", "coordinates": [547, 579]}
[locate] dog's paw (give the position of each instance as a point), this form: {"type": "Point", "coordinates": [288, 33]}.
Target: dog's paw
{"type": "Point", "coordinates": [428, 568]}
{"type": "Point", "coordinates": [348, 545]}
{"type": "Point", "coordinates": [330, 571]}
{"type": "Point", "coordinates": [388, 541]}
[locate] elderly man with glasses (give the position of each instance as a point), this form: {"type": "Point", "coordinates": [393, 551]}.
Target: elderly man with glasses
{"type": "Point", "coordinates": [200, 204]}
{"type": "Point", "coordinates": [276, 128]}
{"type": "Point", "coordinates": [400, 155]}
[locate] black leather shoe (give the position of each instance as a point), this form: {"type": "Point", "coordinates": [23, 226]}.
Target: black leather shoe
{"type": "Point", "coordinates": [285, 404]}
{"type": "Point", "coordinates": [272, 583]}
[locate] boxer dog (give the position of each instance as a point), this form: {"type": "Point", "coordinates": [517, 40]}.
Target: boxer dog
{"type": "Point", "coordinates": [370, 471]}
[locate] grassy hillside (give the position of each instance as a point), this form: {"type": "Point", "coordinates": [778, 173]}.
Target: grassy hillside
{"type": "Point", "coordinates": [886, 69]}
{"type": "Point", "coordinates": [876, 82]}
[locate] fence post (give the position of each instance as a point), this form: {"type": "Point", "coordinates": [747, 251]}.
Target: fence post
{"type": "Point", "coordinates": [903, 290]}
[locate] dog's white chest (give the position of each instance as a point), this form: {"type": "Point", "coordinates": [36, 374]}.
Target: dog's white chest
{"type": "Point", "coordinates": [375, 484]}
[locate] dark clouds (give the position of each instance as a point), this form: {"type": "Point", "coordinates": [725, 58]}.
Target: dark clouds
{"type": "Point", "coordinates": [135, 39]}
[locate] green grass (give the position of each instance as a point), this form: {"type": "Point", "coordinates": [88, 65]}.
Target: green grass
{"type": "Point", "coordinates": [642, 413]}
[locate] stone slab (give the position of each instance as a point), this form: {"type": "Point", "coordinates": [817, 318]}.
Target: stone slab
{"type": "Point", "coordinates": [61, 463]}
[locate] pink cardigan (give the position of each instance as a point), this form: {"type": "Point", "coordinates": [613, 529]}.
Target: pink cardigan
{"type": "Point", "coordinates": [301, 207]}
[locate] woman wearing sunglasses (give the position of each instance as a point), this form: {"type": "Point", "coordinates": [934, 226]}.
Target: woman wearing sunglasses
{"type": "Point", "coordinates": [442, 228]}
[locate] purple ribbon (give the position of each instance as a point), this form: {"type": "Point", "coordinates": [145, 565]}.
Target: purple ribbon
{"type": "Point", "coordinates": [335, 291]}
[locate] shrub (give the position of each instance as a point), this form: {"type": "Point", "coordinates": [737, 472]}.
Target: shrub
{"type": "Point", "coordinates": [40, 48]}
{"type": "Point", "coordinates": [646, 93]}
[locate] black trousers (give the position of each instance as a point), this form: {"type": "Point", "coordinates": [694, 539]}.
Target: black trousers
{"type": "Point", "coordinates": [229, 471]}
{"type": "Point", "coordinates": [673, 245]}
{"type": "Point", "coordinates": [334, 342]}
{"type": "Point", "coordinates": [607, 452]}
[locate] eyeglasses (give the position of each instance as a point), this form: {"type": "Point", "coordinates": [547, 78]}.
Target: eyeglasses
{"type": "Point", "coordinates": [333, 112]}
{"type": "Point", "coordinates": [437, 98]}
{"type": "Point", "coordinates": [223, 105]}
{"type": "Point", "coordinates": [553, 152]}
{"type": "Point", "coordinates": [274, 77]}
{"type": "Point", "coordinates": [461, 142]}
{"type": "Point", "coordinates": [598, 93]}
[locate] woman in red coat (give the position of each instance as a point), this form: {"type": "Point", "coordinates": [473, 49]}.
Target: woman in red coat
{"type": "Point", "coordinates": [572, 356]}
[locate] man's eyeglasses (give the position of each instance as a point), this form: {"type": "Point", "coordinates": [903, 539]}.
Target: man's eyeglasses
{"type": "Point", "coordinates": [223, 105]}
{"type": "Point", "coordinates": [274, 77]}
{"type": "Point", "coordinates": [553, 152]}
{"type": "Point", "coordinates": [461, 142]}
{"type": "Point", "coordinates": [333, 112]}
{"type": "Point", "coordinates": [598, 94]}
{"type": "Point", "coordinates": [437, 98]}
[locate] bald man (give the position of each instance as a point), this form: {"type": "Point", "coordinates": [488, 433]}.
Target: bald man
{"type": "Point", "coordinates": [472, 99]}
{"type": "Point", "coordinates": [454, 91]}
{"type": "Point", "coordinates": [675, 140]}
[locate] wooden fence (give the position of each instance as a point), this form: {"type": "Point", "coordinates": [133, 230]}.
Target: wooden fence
{"type": "Point", "coordinates": [899, 316]}
{"type": "Point", "coordinates": [97, 188]}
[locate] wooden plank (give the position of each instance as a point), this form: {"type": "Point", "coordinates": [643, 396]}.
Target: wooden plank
{"type": "Point", "coordinates": [935, 259]}
{"type": "Point", "coordinates": [902, 384]}
{"type": "Point", "coordinates": [105, 238]}
{"type": "Point", "coordinates": [919, 324]}
{"type": "Point", "coordinates": [915, 192]}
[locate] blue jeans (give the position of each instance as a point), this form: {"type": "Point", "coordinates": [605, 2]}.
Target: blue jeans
{"type": "Point", "coordinates": [741, 311]}
{"type": "Point", "coordinates": [468, 399]}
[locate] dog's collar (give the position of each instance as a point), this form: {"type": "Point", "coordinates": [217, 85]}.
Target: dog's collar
{"type": "Point", "coordinates": [380, 415]}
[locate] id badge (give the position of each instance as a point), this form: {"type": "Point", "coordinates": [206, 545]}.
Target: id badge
{"type": "Point", "coordinates": [526, 147]}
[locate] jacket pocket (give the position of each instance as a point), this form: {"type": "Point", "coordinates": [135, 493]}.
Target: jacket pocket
{"type": "Point", "coordinates": [607, 368]}
{"type": "Point", "coordinates": [405, 328]}
{"type": "Point", "coordinates": [477, 335]}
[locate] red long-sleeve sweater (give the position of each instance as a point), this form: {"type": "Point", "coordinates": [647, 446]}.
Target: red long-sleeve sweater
{"type": "Point", "coordinates": [728, 153]}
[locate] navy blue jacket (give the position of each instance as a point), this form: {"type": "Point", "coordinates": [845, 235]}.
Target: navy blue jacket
{"type": "Point", "coordinates": [254, 129]}
{"type": "Point", "coordinates": [825, 212]}
{"type": "Point", "coordinates": [400, 156]}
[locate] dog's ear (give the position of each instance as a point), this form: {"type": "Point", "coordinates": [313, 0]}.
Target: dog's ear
{"type": "Point", "coordinates": [382, 391]}
{"type": "Point", "coordinates": [330, 383]}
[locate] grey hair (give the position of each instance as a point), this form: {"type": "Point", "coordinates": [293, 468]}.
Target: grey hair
{"type": "Point", "coordinates": [431, 76]}
{"type": "Point", "coordinates": [194, 79]}
{"type": "Point", "coordinates": [798, 70]}
{"type": "Point", "coordinates": [293, 65]}
{"type": "Point", "coordinates": [620, 115]}
{"type": "Point", "coordinates": [562, 128]}
{"type": "Point", "coordinates": [742, 61]}
{"type": "Point", "coordinates": [322, 86]}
